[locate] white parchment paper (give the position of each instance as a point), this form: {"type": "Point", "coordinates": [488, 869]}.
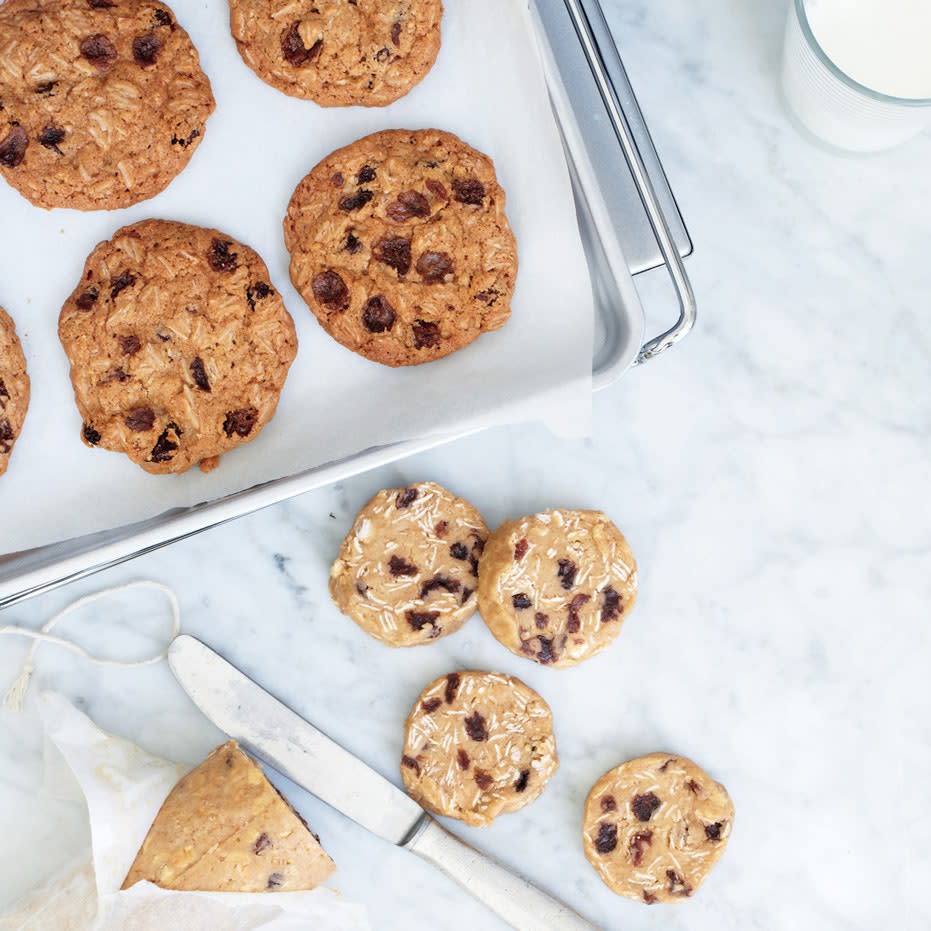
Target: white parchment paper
{"type": "Point", "coordinates": [488, 87]}
{"type": "Point", "coordinates": [124, 788]}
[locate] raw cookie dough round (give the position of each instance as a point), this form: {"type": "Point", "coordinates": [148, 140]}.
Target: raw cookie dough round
{"type": "Point", "coordinates": [401, 247]}
{"type": "Point", "coordinates": [555, 587]}
{"type": "Point", "coordinates": [103, 101]}
{"type": "Point", "coordinates": [655, 826]}
{"type": "Point", "coordinates": [179, 346]}
{"type": "Point", "coordinates": [14, 388]}
{"type": "Point", "coordinates": [339, 52]}
{"type": "Point", "coordinates": [478, 744]}
{"type": "Point", "coordinates": [407, 571]}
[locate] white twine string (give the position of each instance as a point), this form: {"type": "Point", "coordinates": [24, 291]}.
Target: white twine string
{"type": "Point", "coordinates": [16, 695]}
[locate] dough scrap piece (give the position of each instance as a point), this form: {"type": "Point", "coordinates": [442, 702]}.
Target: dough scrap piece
{"type": "Point", "coordinates": [408, 570]}
{"type": "Point", "coordinates": [555, 587]}
{"type": "Point", "coordinates": [654, 827]}
{"type": "Point", "coordinates": [225, 828]}
{"type": "Point", "coordinates": [477, 745]}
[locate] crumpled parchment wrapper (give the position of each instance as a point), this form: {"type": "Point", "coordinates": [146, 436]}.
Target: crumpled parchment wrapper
{"type": "Point", "coordinates": [124, 787]}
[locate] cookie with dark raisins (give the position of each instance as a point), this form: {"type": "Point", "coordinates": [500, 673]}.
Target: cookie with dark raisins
{"type": "Point", "coordinates": [14, 388]}
{"type": "Point", "coordinates": [556, 587]}
{"type": "Point", "coordinates": [654, 827]}
{"type": "Point", "coordinates": [401, 247]}
{"type": "Point", "coordinates": [407, 572]}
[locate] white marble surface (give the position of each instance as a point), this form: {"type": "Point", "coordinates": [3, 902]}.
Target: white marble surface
{"type": "Point", "coordinates": [772, 476]}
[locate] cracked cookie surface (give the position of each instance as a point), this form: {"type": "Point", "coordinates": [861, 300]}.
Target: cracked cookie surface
{"type": "Point", "coordinates": [14, 388]}
{"type": "Point", "coordinates": [179, 345]}
{"type": "Point", "coordinates": [103, 101]}
{"type": "Point", "coordinates": [477, 745]}
{"type": "Point", "coordinates": [339, 52]}
{"type": "Point", "coordinates": [401, 247]}
{"type": "Point", "coordinates": [408, 570]}
{"type": "Point", "coordinates": [654, 827]}
{"type": "Point", "coordinates": [555, 587]}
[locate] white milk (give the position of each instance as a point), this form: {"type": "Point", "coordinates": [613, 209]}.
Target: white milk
{"type": "Point", "coordinates": [883, 44]}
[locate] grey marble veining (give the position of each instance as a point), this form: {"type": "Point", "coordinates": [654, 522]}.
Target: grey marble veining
{"type": "Point", "coordinates": [772, 476]}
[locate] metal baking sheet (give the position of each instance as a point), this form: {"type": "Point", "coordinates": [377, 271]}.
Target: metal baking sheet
{"type": "Point", "coordinates": [628, 220]}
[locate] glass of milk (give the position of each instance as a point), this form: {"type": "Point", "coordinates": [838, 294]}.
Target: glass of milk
{"type": "Point", "coordinates": [857, 73]}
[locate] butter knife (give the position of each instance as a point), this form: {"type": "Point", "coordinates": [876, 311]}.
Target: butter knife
{"type": "Point", "coordinates": [281, 738]}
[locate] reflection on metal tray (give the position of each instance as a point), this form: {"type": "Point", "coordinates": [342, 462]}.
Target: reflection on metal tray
{"type": "Point", "coordinates": [629, 222]}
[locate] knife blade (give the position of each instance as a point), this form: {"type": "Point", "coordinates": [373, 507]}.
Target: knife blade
{"type": "Point", "coordinates": [275, 734]}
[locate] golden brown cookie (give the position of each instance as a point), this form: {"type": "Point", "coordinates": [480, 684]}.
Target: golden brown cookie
{"type": "Point", "coordinates": [477, 745]}
{"type": "Point", "coordinates": [14, 388]}
{"type": "Point", "coordinates": [555, 587]}
{"type": "Point", "coordinates": [408, 569]}
{"type": "Point", "coordinates": [103, 101]}
{"type": "Point", "coordinates": [225, 828]}
{"type": "Point", "coordinates": [179, 345]}
{"type": "Point", "coordinates": [339, 52]}
{"type": "Point", "coordinates": [400, 246]}
{"type": "Point", "coordinates": [654, 827]}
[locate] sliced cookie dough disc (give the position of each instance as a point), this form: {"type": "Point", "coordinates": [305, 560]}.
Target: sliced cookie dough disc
{"type": "Point", "coordinates": [401, 247]}
{"type": "Point", "coordinates": [14, 388]}
{"type": "Point", "coordinates": [654, 827]}
{"type": "Point", "coordinates": [339, 52]}
{"type": "Point", "coordinates": [477, 745]}
{"type": "Point", "coordinates": [555, 587]}
{"type": "Point", "coordinates": [179, 346]}
{"type": "Point", "coordinates": [103, 101]}
{"type": "Point", "coordinates": [408, 570]}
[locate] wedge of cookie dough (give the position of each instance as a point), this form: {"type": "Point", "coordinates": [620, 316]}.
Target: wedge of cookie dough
{"type": "Point", "coordinates": [104, 101]}
{"type": "Point", "coordinates": [179, 345]}
{"type": "Point", "coordinates": [477, 745]}
{"type": "Point", "coordinates": [225, 828]}
{"type": "Point", "coordinates": [654, 827]}
{"type": "Point", "coordinates": [401, 247]}
{"type": "Point", "coordinates": [14, 388]}
{"type": "Point", "coordinates": [338, 53]}
{"type": "Point", "coordinates": [407, 572]}
{"type": "Point", "coordinates": [555, 587]}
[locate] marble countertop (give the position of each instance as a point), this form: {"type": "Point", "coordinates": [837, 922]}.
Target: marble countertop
{"type": "Point", "coordinates": [772, 477]}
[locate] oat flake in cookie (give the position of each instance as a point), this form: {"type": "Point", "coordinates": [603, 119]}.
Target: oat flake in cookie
{"type": "Point", "coordinates": [179, 345]}
{"type": "Point", "coordinates": [407, 572]}
{"type": "Point", "coordinates": [654, 827]}
{"type": "Point", "coordinates": [401, 247]}
{"type": "Point", "coordinates": [477, 745]}
{"type": "Point", "coordinates": [339, 52]}
{"type": "Point", "coordinates": [14, 389]}
{"type": "Point", "coordinates": [556, 587]}
{"type": "Point", "coordinates": [102, 101]}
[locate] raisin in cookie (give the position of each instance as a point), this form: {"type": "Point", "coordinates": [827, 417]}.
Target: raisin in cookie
{"type": "Point", "coordinates": [179, 346]}
{"type": "Point", "coordinates": [225, 828]}
{"type": "Point", "coordinates": [555, 587]}
{"type": "Point", "coordinates": [407, 571]}
{"type": "Point", "coordinates": [339, 52]}
{"type": "Point", "coordinates": [477, 745]}
{"type": "Point", "coordinates": [103, 101]}
{"type": "Point", "coordinates": [14, 389]}
{"type": "Point", "coordinates": [654, 827]}
{"type": "Point", "coordinates": [400, 246]}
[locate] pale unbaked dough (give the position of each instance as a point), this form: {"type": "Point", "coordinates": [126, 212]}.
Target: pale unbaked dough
{"type": "Point", "coordinates": [408, 570]}
{"type": "Point", "coordinates": [655, 826]}
{"type": "Point", "coordinates": [478, 744]}
{"type": "Point", "coordinates": [225, 828]}
{"type": "Point", "coordinates": [555, 587]}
